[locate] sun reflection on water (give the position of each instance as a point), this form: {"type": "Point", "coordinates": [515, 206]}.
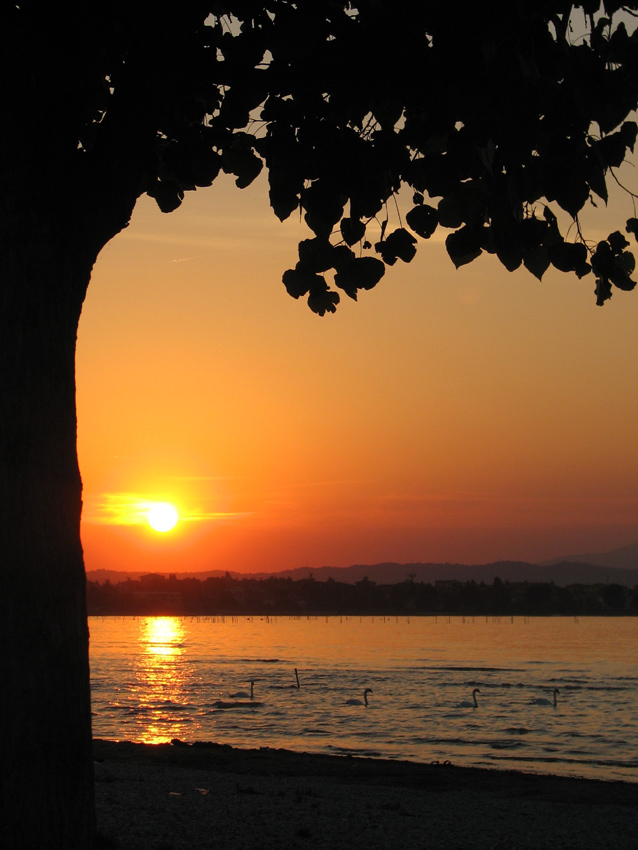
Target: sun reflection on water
{"type": "Point", "coordinates": [162, 636]}
{"type": "Point", "coordinates": [160, 678]}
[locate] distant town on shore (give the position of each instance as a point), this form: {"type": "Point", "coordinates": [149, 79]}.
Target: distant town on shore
{"type": "Point", "coordinates": [566, 587]}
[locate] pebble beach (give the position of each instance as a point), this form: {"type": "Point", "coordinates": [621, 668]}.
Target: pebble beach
{"type": "Point", "coordinates": [182, 796]}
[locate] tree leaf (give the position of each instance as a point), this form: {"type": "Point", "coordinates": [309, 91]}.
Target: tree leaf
{"type": "Point", "coordinates": [434, 174]}
{"type": "Point", "coordinates": [423, 219]}
{"type": "Point", "coordinates": [596, 178]}
{"type": "Point", "coordinates": [316, 255]}
{"type": "Point", "coordinates": [621, 279]}
{"type": "Point", "coordinates": [342, 256]}
{"type": "Point", "coordinates": [464, 245]}
{"type": "Point", "coordinates": [611, 150]}
{"type": "Point", "coordinates": [361, 273]}
{"type": "Point", "coordinates": [352, 230]}
{"type": "Point", "coordinates": [612, 263]}
{"type": "Point", "coordinates": [324, 205]}
{"type": "Point", "coordinates": [464, 206]}
{"type": "Point", "coordinates": [322, 301]}
{"type": "Point", "coordinates": [510, 257]}
{"type": "Point", "coordinates": [283, 198]}
{"type": "Point", "coordinates": [243, 164]}
{"type": "Point", "coordinates": [298, 281]}
{"type": "Point", "coordinates": [572, 193]}
{"type": "Point", "coordinates": [617, 242]}
{"type": "Point", "coordinates": [536, 261]}
{"type": "Point", "coordinates": [603, 261]}
{"type": "Point", "coordinates": [602, 290]}
{"type": "Point", "coordinates": [399, 245]}
{"type": "Point", "coordinates": [629, 132]}
{"type": "Point", "coordinates": [167, 194]}
{"type": "Point", "coordinates": [624, 265]}
{"type": "Point", "coordinates": [569, 257]}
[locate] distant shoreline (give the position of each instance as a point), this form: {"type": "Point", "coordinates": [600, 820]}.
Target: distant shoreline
{"type": "Point", "coordinates": [158, 595]}
{"type": "Point", "coordinates": [182, 796]}
{"type": "Point", "coordinates": [618, 566]}
{"type": "Point", "coordinates": [263, 615]}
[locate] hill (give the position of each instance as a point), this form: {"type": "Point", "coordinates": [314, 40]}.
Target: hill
{"type": "Point", "coordinates": [625, 558]}
{"type": "Point", "coordinates": [562, 572]}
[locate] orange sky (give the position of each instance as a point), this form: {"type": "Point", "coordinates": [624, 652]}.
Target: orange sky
{"type": "Point", "coordinates": [468, 415]}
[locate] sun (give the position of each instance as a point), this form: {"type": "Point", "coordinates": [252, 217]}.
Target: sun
{"type": "Point", "coordinates": [162, 516]}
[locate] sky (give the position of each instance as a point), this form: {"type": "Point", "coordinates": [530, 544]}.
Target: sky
{"type": "Point", "coordinates": [467, 415]}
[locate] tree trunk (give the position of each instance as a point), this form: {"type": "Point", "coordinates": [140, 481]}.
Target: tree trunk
{"type": "Point", "coordinates": [46, 751]}
{"type": "Point", "coordinates": [70, 176]}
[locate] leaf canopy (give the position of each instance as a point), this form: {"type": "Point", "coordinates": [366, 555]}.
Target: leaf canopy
{"type": "Point", "coordinates": [497, 119]}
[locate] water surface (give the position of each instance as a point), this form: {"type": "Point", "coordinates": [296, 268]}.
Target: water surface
{"type": "Point", "coordinates": [159, 678]}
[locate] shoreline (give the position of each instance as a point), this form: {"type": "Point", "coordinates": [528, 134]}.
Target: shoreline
{"type": "Point", "coordinates": [206, 795]}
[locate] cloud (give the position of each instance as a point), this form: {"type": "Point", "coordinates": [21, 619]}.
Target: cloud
{"type": "Point", "coordinates": [133, 508]}
{"type": "Point", "coordinates": [197, 478]}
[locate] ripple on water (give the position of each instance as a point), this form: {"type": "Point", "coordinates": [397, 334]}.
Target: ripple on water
{"type": "Point", "coordinates": [594, 730]}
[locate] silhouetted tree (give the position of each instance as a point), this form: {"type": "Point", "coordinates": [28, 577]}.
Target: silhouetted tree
{"type": "Point", "coordinates": [493, 116]}
{"type": "Point", "coordinates": [615, 597]}
{"type": "Point", "coordinates": [538, 598]}
{"type": "Point", "coordinates": [500, 597]}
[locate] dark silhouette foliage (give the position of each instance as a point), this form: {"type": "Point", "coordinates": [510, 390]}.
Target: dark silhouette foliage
{"type": "Point", "coordinates": [495, 120]}
{"type": "Point", "coordinates": [156, 595]}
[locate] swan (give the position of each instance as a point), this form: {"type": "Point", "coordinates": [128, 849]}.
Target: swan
{"type": "Point", "coordinates": [220, 703]}
{"type": "Point", "coordinates": [467, 704]}
{"type": "Point", "coordinates": [240, 695]}
{"type": "Point", "coordinates": [244, 694]}
{"type": "Point", "coordinates": [543, 701]}
{"type": "Point", "coordinates": [364, 701]}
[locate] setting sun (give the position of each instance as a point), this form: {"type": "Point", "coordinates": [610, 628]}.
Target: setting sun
{"type": "Point", "coordinates": [162, 516]}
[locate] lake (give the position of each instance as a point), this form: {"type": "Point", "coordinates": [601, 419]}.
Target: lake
{"type": "Point", "coordinates": [158, 678]}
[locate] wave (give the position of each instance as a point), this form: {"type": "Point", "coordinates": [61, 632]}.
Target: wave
{"type": "Point", "coordinates": [627, 764]}
{"type": "Point", "coordinates": [416, 685]}
{"type": "Point", "coordinates": [473, 669]}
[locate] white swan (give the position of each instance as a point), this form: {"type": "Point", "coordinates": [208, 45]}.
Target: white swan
{"type": "Point", "coordinates": [240, 695]}
{"type": "Point", "coordinates": [364, 701]}
{"type": "Point", "coordinates": [243, 694]}
{"type": "Point", "coordinates": [543, 701]}
{"type": "Point", "coordinates": [467, 704]}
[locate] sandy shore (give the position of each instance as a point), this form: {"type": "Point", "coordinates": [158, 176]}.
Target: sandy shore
{"type": "Point", "coordinates": [170, 797]}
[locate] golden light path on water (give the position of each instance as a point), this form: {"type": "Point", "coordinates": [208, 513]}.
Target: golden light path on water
{"type": "Point", "coordinates": [159, 678]}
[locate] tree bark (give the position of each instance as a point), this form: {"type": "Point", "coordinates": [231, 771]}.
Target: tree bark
{"type": "Point", "coordinates": [84, 95]}
{"type": "Point", "coordinates": [47, 765]}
